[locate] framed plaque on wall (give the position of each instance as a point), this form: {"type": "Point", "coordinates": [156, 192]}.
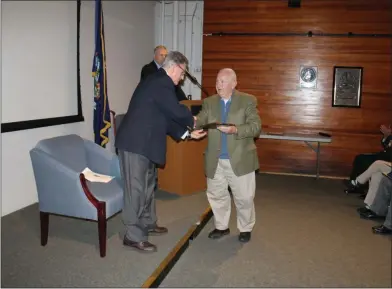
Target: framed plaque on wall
{"type": "Point", "coordinates": [347, 86]}
{"type": "Point", "coordinates": [308, 77]}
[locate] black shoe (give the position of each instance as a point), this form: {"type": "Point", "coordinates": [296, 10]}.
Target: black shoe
{"type": "Point", "coordinates": [362, 196]}
{"type": "Point", "coordinates": [363, 210]}
{"type": "Point", "coordinates": [244, 237]}
{"type": "Point", "coordinates": [382, 230]}
{"type": "Point", "coordinates": [216, 234]}
{"type": "Point", "coordinates": [354, 189]}
{"type": "Point", "coordinates": [347, 183]}
{"type": "Point", "coordinates": [365, 213]}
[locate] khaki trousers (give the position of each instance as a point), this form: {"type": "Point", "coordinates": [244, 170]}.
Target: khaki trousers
{"type": "Point", "coordinates": [243, 190]}
{"type": "Point", "coordinates": [374, 174]}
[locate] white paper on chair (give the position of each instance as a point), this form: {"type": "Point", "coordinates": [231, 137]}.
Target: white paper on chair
{"type": "Point", "coordinates": [95, 177]}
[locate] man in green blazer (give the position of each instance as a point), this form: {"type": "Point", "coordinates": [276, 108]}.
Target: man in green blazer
{"type": "Point", "coordinates": [231, 155]}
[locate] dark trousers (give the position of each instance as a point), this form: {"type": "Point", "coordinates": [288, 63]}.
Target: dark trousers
{"type": "Point", "coordinates": [156, 179]}
{"type": "Point", "coordinates": [362, 163]}
{"type": "Point", "coordinates": [138, 214]}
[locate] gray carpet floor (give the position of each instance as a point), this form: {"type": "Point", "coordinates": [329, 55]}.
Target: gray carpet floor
{"type": "Point", "coordinates": [71, 257]}
{"type": "Point", "coordinates": [307, 234]}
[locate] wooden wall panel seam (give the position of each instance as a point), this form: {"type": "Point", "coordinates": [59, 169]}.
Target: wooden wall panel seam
{"type": "Point", "coordinates": [305, 34]}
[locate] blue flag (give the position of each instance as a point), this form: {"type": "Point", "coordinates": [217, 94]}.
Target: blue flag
{"type": "Point", "coordinates": [101, 103]}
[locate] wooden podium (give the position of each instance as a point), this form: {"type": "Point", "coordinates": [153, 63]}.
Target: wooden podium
{"type": "Point", "coordinates": [183, 173]}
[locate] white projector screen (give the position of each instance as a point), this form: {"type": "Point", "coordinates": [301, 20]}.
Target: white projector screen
{"type": "Point", "coordinates": [40, 64]}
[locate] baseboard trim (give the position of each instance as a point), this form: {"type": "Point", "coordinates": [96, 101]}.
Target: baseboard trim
{"type": "Point", "coordinates": [304, 175]}
{"type": "Point", "coordinates": [171, 259]}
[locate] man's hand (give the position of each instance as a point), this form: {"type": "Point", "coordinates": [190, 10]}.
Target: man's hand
{"type": "Point", "coordinates": [194, 121]}
{"type": "Point", "coordinates": [198, 134]}
{"type": "Point", "coordinates": [386, 130]}
{"type": "Point", "coordinates": [232, 129]}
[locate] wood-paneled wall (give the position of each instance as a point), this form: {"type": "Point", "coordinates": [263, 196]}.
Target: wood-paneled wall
{"type": "Point", "coordinates": [268, 67]}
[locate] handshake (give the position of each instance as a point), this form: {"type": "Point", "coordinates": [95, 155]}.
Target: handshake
{"type": "Point", "coordinates": [197, 133]}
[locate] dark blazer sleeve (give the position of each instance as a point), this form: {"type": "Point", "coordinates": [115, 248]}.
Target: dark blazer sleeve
{"type": "Point", "coordinates": [147, 70]}
{"type": "Point", "coordinates": [175, 130]}
{"type": "Point", "coordinates": [386, 141]}
{"type": "Point", "coordinates": [143, 73]}
{"type": "Point", "coordinates": [167, 102]}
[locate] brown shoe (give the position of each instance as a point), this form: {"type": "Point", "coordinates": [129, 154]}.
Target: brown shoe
{"type": "Point", "coordinates": [156, 231]}
{"type": "Point", "coordinates": [144, 246]}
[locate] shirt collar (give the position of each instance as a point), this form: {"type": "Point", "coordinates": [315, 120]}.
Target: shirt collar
{"type": "Point", "coordinates": [226, 100]}
{"type": "Point", "coordinates": [158, 66]}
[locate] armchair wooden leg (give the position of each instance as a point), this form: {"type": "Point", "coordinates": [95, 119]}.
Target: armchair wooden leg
{"type": "Point", "coordinates": [102, 229]}
{"type": "Point", "coordinates": [101, 212]}
{"type": "Point", "coordinates": [44, 218]}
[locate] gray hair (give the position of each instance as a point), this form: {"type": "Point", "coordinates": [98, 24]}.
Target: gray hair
{"type": "Point", "coordinates": [175, 58]}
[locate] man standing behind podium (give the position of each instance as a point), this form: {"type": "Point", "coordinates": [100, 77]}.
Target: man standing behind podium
{"type": "Point", "coordinates": [160, 53]}
{"type": "Point", "coordinates": [231, 156]}
{"type": "Point", "coordinates": [153, 112]}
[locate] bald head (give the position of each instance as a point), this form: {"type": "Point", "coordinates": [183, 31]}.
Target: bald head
{"type": "Point", "coordinates": [160, 53]}
{"type": "Point", "coordinates": [228, 72]}
{"type": "Point", "coordinates": [226, 81]}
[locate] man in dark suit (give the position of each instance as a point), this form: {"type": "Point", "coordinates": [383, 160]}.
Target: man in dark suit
{"type": "Point", "coordinates": [153, 112]}
{"type": "Point", "coordinates": [160, 53]}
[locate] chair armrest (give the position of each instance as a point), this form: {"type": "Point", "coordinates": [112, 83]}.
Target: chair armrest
{"type": "Point", "coordinates": [101, 160]}
{"type": "Point", "coordinates": [59, 188]}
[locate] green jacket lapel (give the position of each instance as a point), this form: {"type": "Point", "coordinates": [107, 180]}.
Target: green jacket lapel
{"type": "Point", "coordinates": [217, 108]}
{"type": "Point", "coordinates": [235, 101]}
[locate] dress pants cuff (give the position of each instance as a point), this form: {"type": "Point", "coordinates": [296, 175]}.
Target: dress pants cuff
{"type": "Point", "coordinates": [137, 234]}
{"type": "Point", "coordinates": [152, 226]}
{"type": "Point", "coordinates": [221, 228]}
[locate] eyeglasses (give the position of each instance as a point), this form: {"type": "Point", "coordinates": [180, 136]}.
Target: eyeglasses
{"type": "Point", "coordinates": [184, 71]}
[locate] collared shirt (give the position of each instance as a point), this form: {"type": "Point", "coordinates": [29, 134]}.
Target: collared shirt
{"type": "Point", "coordinates": [158, 66]}
{"type": "Point", "coordinates": [225, 107]}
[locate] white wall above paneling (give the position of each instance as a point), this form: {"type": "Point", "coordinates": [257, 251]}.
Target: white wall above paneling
{"type": "Point", "coordinates": [182, 30]}
{"type": "Point", "coordinates": [129, 34]}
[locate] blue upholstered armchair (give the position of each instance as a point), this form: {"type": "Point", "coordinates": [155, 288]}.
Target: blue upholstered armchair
{"type": "Point", "coordinates": [62, 188]}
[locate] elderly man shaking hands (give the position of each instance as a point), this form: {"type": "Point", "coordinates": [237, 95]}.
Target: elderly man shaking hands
{"type": "Point", "coordinates": [231, 155]}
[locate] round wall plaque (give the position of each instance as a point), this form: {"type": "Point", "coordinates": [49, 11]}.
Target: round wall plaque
{"type": "Point", "coordinates": [308, 76]}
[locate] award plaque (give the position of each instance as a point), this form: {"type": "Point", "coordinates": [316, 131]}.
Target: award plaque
{"type": "Point", "coordinates": [214, 125]}
{"type": "Point", "coordinates": [347, 86]}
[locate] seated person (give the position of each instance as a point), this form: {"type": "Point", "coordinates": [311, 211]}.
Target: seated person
{"type": "Point", "coordinates": [381, 206]}
{"type": "Point", "coordinates": [363, 161]}
{"type": "Point", "coordinates": [374, 173]}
